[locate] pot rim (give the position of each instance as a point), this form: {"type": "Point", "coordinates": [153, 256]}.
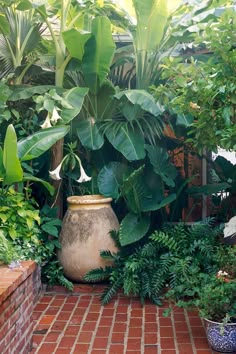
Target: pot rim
{"type": "Point", "coordinates": [220, 323]}
{"type": "Point", "coordinates": [88, 199]}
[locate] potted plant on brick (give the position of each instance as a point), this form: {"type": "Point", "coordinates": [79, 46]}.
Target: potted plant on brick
{"type": "Point", "coordinates": [217, 306]}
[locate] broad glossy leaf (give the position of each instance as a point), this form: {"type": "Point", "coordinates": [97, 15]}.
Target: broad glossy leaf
{"type": "Point", "coordinates": [134, 190]}
{"type": "Point", "coordinates": [89, 135]}
{"type": "Point", "coordinates": [98, 53]}
{"type": "Point", "coordinates": [150, 204]}
{"type": "Point", "coordinates": [36, 144]}
{"type": "Point", "coordinates": [103, 101]}
{"type": "Point", "coordinates": [209, 189]}
{"type": "Point", "coordinates": [11, 162]}
{"type": "Point", "coordinates": [132, 228]}
{"type": "Point", "coordinates": [47, 185]}
{"type": "Point", "coordinates": [225, 168]}
{"type": "Point", "coordinates": [162, 166]}
{"type": "Point", "coordinates": [129, 141]}
{"type": "Point", "coordinates": [141, 98]}
{"type": "Point", "coordinates": [75, 98]}
{"type": "Point", "coordinates": [23, 92]}
{"type": "Point", "coordinates": [75, 42]}
{"type": "Point", "coordinates": [24, 5]}
{"type": "Point", "coordinates": [111, 177]}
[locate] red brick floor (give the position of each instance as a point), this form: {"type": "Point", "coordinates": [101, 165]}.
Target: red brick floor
{"type": "Point", "coordinates": [76, 323]}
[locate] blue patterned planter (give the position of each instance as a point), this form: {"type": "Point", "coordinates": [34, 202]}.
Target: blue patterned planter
{"type": "Point", "coordinates": [223, 343]}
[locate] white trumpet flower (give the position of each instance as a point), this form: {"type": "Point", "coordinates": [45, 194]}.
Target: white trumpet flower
{"type": "Point", "coordinates": [55, 174]}
{"type": "Point", "coordinates": [83, 176]}
{"type": "Point", "coordinates": [46, 123]}
{"type": "Point", "coordinates": [55, 116]}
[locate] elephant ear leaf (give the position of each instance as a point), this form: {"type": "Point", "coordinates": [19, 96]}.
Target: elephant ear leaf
{"type": "Point", "coordinates": [162, 166]}
{"type": "Point", "coordinates": [128, 141]}
{"type": "Point", "coordinates": [133, 227]}
{"type": "Point", "coordinates": [89, 134]}
{"type": "Point", "coordinates": [13, 171]}
{"type": "Point", "coordinates": [111, 177]}
{"type": "Point", "coordinates": [36, 144]}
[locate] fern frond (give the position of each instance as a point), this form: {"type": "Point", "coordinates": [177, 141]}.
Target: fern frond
{"type": "Point", "coordinates": [65, 282]}
{"type": "Point", "coordinates": [165, 240]}
{"type": "Point", "coordinates": [111, 291]}
{"type": "Point", "coordinates": [98, 274]}
{"type": "Point", "coordinates": [115, 237]}
{"type": "Point", "coordinates": [150, 249]}
{"type": "Point", "coordinates": [107, 254]}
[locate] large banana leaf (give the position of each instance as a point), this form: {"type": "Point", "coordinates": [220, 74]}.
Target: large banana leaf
{"type": "Point", "coordinates": [75, 42]}
{"type": "Point", "coordinates": [11, 162]}
{"type": "Point", "coordinates": [152, 17]}
{"type": "Point", "coordinates": [75, 98]}
{"type": "Point", "coordinates": [162, 166]}
{"type": "Point", "coordinates": [128, 140]}
{"type": "Point", "coordinates": [98, 53]}
{"type": "Point", "coordinates": [100, 107]}
{"type": "Point", "coordinates": [133, 227]}
{"type": "Point", "coordinates": [149, 36]}
{"type": "Point", "coordinates": [111, 177]}
{"type": "Point", "coordinates": [36, 144]}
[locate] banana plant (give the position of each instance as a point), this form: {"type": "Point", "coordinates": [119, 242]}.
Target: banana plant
{"type": "Point", "coordinates": [13, 153]}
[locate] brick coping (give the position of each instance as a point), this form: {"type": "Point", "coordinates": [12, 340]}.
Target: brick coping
{"type": "Point", "coordinates": [10, 279]}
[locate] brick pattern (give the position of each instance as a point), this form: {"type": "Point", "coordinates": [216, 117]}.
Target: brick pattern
{"type": "Point", "coordinates": [16, 308]}
{"type": "Point", "coordinates": [76, 323]}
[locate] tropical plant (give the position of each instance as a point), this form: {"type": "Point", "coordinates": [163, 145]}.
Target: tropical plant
{"type": "Point", "coordinates": [179, 257]}
{"type": "Point", "coordinates": [215, 301]}
{"type": "Point", "coordinates": [13, 154]}
{"type": "Point", "coordinates": [18, 41]}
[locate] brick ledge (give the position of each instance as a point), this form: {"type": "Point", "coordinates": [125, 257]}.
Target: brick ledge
{"type": "Point", "coordinates": [10, 279]}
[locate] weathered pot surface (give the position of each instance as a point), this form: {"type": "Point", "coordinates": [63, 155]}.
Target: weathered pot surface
{"type": "Point", "coordinates": [222, 338]}
{"type": "Point", "coordinates": [85, 232]}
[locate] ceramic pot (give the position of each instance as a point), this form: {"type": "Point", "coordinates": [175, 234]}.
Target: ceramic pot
{"type": "Point", "coordinates": [85, 232]}
{"type": "Point", "coordinates": [221, 339]}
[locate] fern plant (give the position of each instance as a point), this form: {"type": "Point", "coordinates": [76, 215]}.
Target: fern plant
{"type": "Point", "coordinates": [178, 257]}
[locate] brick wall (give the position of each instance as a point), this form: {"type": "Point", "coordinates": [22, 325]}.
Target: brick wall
{"type": "Point", "coordinates": [19, 288]}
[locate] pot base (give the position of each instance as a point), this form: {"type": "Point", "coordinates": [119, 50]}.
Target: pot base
{"type": "Point", "coordinates": [222, 340]}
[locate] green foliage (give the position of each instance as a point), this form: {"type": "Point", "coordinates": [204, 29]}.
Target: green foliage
{"type": "Point", "coordinates": [179, 257]}
{"type": "Point", "coordinates": [7, 250]}
{"type": "Point", "coordinates": [201, 92]}
{"type": "Point", "coordinates": [52, 274]}
{"type": "Point", "coordinates": [18, 217]}
{"type": "Point", "coordinates": [217, 300]}
{"type": "Point", "coordinates": [26, 233]}
{"type": "Point", "coordinates": [142, 190]}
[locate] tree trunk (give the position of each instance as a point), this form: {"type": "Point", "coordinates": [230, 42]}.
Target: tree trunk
{"type": "Point", "coordinates": [56, 158]}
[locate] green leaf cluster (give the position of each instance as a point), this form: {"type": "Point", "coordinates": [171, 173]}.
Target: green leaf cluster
{"type": "Point", "coordinates": [179, 257]}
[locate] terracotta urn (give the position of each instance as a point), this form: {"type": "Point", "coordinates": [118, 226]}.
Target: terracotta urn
{"type": "Point", "coordinates": [85, 232]}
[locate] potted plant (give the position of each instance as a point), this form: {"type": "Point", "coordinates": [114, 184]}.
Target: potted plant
{"type": "Point", "coordinates": [217, 305]}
